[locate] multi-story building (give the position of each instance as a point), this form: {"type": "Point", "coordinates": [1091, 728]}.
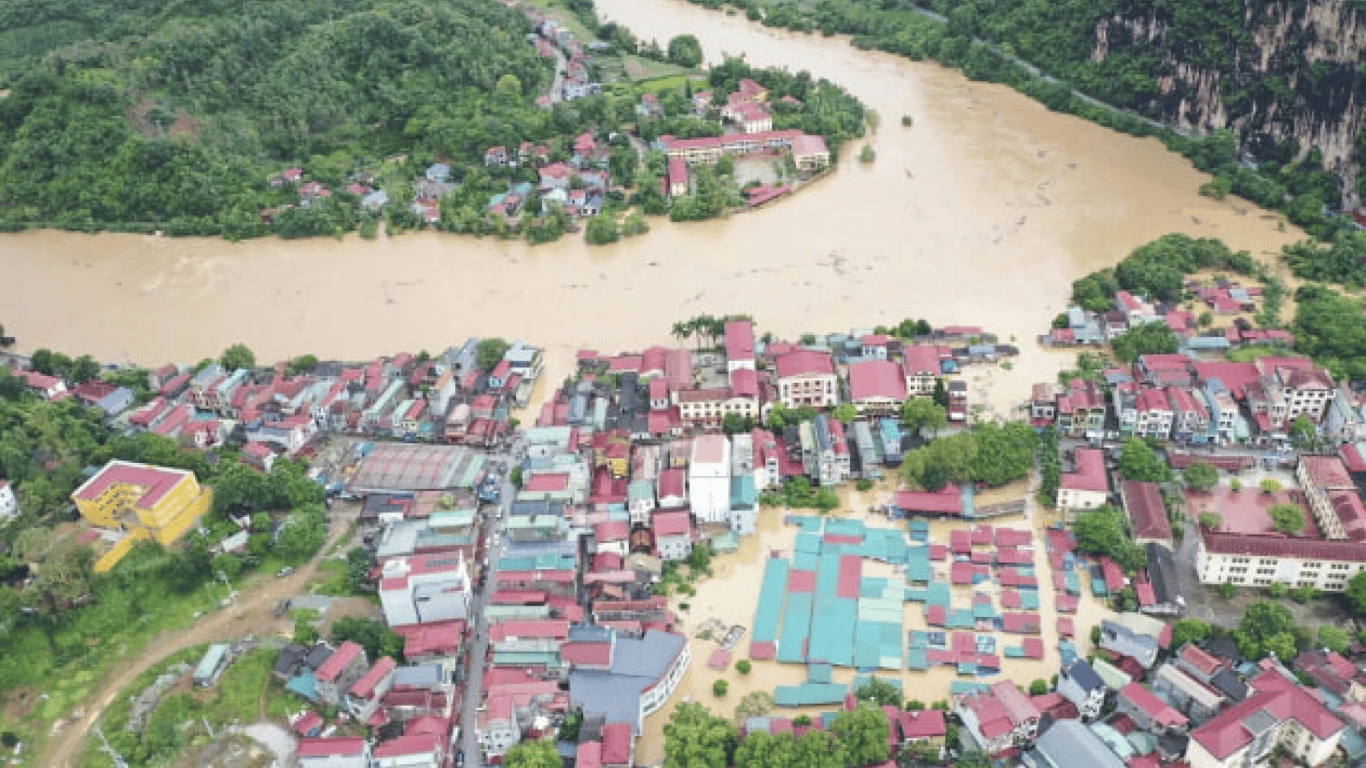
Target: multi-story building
{"type": "Point", "coordinates": [807, 377]}
{"type": "Point", "coordinates": [739, 335]}
{"type": "Point", "coordinates": [335, 752]}
{"type": "Point", "coordinates": [1258, 561]}
{"type": "Point", "coordinates": [1000, 718]}
{"type": "Point", "coordinates": [709, 479]}
{"type": "Point", "coordinates": [643, 673]}
{"type": "Point", "coordinates": [146, 501]}
{"type": "Point", "coordinates": [1088, 486]}
{"type": "Point", "coordinates": [1277, 713]}
{"type": "Point", "coordinates": [1081, 411]}
{"type": "Point", "coordinates": [1332, 497]}
{"type": "Point", "coordinates": [9, 503]}
{"type": "Point", "coordinates": [425, 588]}
{"type": "Point", "coordinates": [920, 363]}
{"type": "Point", "coordinates": [342, 670]}
{"type": "Point", "coordinates": [1080, 685]}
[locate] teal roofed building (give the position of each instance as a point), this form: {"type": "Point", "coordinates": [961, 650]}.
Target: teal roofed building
{"type": "Point", "coordinates": [304, 686]}
{"type": "Point", "coordinates": [744, 503]}
{"type": "Point", "coordinates": [212, 665]}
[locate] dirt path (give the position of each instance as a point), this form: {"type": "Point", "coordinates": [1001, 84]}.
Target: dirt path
{"type": "Point", "coordinates": [251, 615]}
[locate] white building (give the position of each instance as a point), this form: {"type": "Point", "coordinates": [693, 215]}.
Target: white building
{"type": "Point", "coordinates": [709, 479]}
{"type": "Point", "coordinates": [9, 504]}
{"type": "Point", "coordinates": [425, 588]}
{"type": "Point", "coordinates": [343, 752]}
{"type": "Point", "coordinates": [1257, 561]}
{"type": "Point", "coordinates": [807, 377]}
{"type": "Point", "coordinates": [1087, 487]}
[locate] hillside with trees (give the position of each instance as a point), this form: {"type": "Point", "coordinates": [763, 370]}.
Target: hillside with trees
{"type": "Point", "coordinates": [141, 116]}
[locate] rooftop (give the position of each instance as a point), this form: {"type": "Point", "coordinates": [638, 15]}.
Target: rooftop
{"type": "Point", "coordinates": [154, 481]}
{"type": "Point", "coordinates": [1090, 474]}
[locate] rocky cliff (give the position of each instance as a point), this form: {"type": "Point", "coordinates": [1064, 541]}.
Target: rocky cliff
{"type": "Point", "coordinates": [1275, 72]}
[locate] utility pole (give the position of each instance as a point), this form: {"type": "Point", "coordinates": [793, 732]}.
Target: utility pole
{"type": "Point", "coordinates": [119, 762]}
{"type": "Point", "coordinates": [232, 593]}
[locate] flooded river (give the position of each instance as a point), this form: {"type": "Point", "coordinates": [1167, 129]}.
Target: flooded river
{"type": "Point", "coordinates": [982, 213]}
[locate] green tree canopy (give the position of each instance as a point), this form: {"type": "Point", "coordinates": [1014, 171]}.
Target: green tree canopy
{"type": "Point", "coordinates": [375, 637]}
{"type": "Point", "coordinates": [1103, 531]}
{"type": "Point", "coordinates": [237, 356]}
{"type": "Point", "coordinates": [685, 51]}
{"type": "Point", "coordinates": [490, 352]}
{"type": "Point", "coordinates": [1138, 462]}
{"type": "Point", "coordinates": [696, 738]}
{"type": "Point", "coordinates": [921, 413]}
{"type": "Point", "coordinates": [1287, 517]}
{"type": "Point", "coordinates": [880, 692]}
{"type": "Point", "coordinates": [539, 753]}
{"type": "Point", "coordinates": [863, 733]}
{"type": "Point", "coordinates": [1200, 476]}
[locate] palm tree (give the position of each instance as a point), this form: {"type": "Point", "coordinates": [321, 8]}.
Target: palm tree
{"type": "Point", "coordinates": [682, 331]}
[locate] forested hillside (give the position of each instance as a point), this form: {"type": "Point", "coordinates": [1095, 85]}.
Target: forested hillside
{"type": "Point", "coordinates": [140, 114]}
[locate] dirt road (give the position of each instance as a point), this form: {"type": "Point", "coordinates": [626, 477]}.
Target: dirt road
{"type": "Point", "coordinates": [251, 616]}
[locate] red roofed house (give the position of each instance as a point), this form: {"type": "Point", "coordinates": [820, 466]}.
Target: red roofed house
{"type": "Point", "coordinates": [341, 671]}
{"type": "Point", "coordinates": [673, 534]}
{"type": "Point", "coordinates": [1278, 713]}
{"type": "Point", "coordinates": [925, 727]}
{"type": "Point", "coordinates": [807, 377]}
{"type": "Point", "coordinates": [876, 386]}
{"type": "Point", "coordinates": [347, 752]}
{"type": "Point", "coordinates": [363, 698]}
{"type": "Point", "coordinates": [1147, 512]}
{"type": "Point", "coordinates": [613, 536]}
{"type": "Point", "coordinates": [618, 746]}
{"type": "Point", "coordinates": [414, 749]}
{"type": "Point", "coordinates": [810, 152]}
{"type": "Point", "coordinates": [1087, 487]}
{"type": "Point", "coordinates": [1000, 718]}
{"type": "Point", "coordinates": [678, 177]}
{"type": "Point", "coordinates": [739, 345]}
{"type": "Point", "coordinates": [50, 387]}
{"type": "Point", "coordinates": [921, 367]}
{"type": "Point", "coordinates": [1333, 672]}
{"type": "Point", "coordinates": [1148, 711]}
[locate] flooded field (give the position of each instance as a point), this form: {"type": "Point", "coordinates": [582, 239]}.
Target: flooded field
{"type": "Point", "coordinates": [731, 594]}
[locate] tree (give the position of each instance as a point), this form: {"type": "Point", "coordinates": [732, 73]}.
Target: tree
{"type": "Point", "coordinates": [303, 364]}
{"type": "Point", "coordinates": [754, 704]}
{"type": "Point", "coordinates": [863, 733]}
{"type": "Point", "coordinates": [490, 352]}
{"type": "Point", "coordinates": [84, 368]}
{"type": "Point", "coordinates": [1303, 432]}
{"type": "Point", "coordinates": [1287, 517]}
{"type": "Point", "coordinates": [733, 423]}
{"type": "Point", "coordinates": [867, 154]}
{"type": "Point", "coordinates": [1227, 590]}
{"type": "Point", "coordinates": [1200, 476]}
{"type": "Point", "coordinates": [1038, 688]}
{"type": "Point", "coordinates": [915, 705]}
{"type": "Point", "coordinates": [302, 533]}
{"type": "Point", "coordinates": [237, 356]}
{"type": "Point", "coordinates": [719, 687]}
{"type": "Point", "coordinates": [1270, 485]}
{"type": "Point", "coordinates": [1334, 639]}
{"type": "Point", "coordinates": [941, 394]}
{"type": "Point", "coordinates": [880, 692]}
{"type": "Point", "coordinates": [1145, 339]}
{"type": "Point", "coordinates": [695, 738]}
{"type": "Point", "coordinates": [539, 753]}
{"type": "Point", "coordinates": [1101, 531]}
{"type": "Point", "coordinates": [743, 666]}
{"type": "Point", "coordinates": [685, 51]}
{"type": "Point", "coordinates": [375, 637]}
{"type": "Point", "coordinates": [602, 230]}
{"type": "Point", "coordinates": [846, 413]}
{"type": "Point", "coordinates": [1355, 593]}
{"type": "Point", "coordinates": [919, 413]}
{"type": "Point", "coordinates": [972, 759]}
{"type": "Point", "coordinates": [1266, 627]}
{"type": "Point", "coordinates": [509, 86]}
{"type": "Point", "coordinates": [1189, 631]}
{"type": "Point", "coordinates": [357, 569]}
{"type": "Point", "coordinates": [516, 476]}
{"type": "Point", "coordinates": [1138, 462]}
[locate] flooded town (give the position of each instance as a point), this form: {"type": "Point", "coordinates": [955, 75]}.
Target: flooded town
{"type": "Point", "coordinates": [1001, 449]}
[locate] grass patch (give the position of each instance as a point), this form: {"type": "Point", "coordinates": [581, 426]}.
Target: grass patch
{"type": "Point", "coordinates": [557, 10]}
{"type": "Point", "coordinates": [330, 579]}
{"type": "Point", "coordinates": [237, 697]}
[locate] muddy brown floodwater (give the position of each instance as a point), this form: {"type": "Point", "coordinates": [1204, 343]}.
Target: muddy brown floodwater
{"type": "Point", "coordinates": [982, 213]}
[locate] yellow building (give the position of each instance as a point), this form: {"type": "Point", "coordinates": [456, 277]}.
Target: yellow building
{"type": "Point", "coordinates": [149, 502]}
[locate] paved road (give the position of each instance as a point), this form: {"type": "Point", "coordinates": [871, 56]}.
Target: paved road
{"type": "Point", "coordinates": [251, 615]}
{"type": "Point", "coordinates": [475, 659]}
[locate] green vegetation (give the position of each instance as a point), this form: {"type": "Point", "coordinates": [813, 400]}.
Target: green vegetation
{"type": "Point", "coordinates": [879, 692]}
{"type": "Point", "coordinates": [1269, 628]}
{"type": "Point", "coordinates": [1102, 531]}
{"type": "Point", "coordinates": [375, 637]}
{"type": "Point", "coordinates": [1038, 687]}
{"type": "Point", "coordinates": [995, 454]}
{"type": "Point", "coordinates": [696, 738]}
{"type": "Point", "coordinates": [1137, 461]}
{"type": "Point", "coordinates": [1158, 270]}
{"type": "Point", "coordinates": [1328, 328]}
{"type": "Point", "coordinates": [1145, 339]}
{"type": "Point", "coordinates": [1050, 467]}
{"type": "Point", "coordinates": [685, 51]}
{"type": "Point", "coordinates": [743, 666]}
{"type": "Point", "coordinates": [1288, 518]}
{"type": "Point", "coordinates": [540, 753]}
{"type": "Point", "coordinates": [719, 687]}
{"type": "Point", "coordinates": [1200, 476]}
{"type": "Point", "coordinates": [797, 493]}
{"type": "Point", "coordinates": [867, 154]}
{"type": "Point", "coordinates": [921, 413]}
{"type": "Point", "coordinates": [1189, 631]}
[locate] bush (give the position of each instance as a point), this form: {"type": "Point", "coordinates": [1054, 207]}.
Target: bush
{"type": "Point", "coordinates": [743, 666]}
{"type": "Point", "coordinates": [906, 121]}
{"type": "Point", "coordinates": [720, 687]}
{"type": "Point", "coordinates": [1227, 590]}
{"type": "Point", "coordinates": [1276, 590]}
{"type": "Point", "coordinates": [864, 484]}
{"type": "Point", "coordinates": [1038, 687]}
{"type": "Point", "coordinates": [915, 705]}
{"type": "Point", "coordinates": [868, 154]}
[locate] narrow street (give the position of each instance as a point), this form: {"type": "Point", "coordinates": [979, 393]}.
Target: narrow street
{"type": "Point", "coordinates": [477, 652]}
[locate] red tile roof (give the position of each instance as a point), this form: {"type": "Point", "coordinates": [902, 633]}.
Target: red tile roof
{"type": "Point", "coordinates": [676, 523]}
{"type": "Point", "coordinates": [1283, 546]}
{"type": "Point", "coordinates": [876, 378]}
{"type": "Point", "coordinates": [340, 746]}
{"type": "Point", "coordinates": [616, 744]}
{"type": "Point", "coordinates": [365, 686]}
{"type": "Point", "coordinates": [946, 501]}
{"type": "Point", "coordinates": [1147, 512]}
{"type": "Point", "coordinates": [1200, 660]}
{"type": "Point", "coordinates": [594, 654]}
{"type": "Point", "coordinates": [1279, 698]}
{"type": "Point", "coordinates": [1156, 708]}
{"type": "Point", "coordinates": [156, 481]}
{"type": "Point", "coordinates": [554, 629]}
{"type": "Point", "coordinates": [739, 340]}
{"type": "Point", "coordinates": [1090, 474]}
{"type": "Point", "coordinates": [338, 661]}
{"type": "Point", "coordinates": [803, 362]}
{"type": "Point", "coordinates": [612, 530]}
{"type": "Point", "coordinates": [921, 359]}
{"type": "Point", "coordinates": [1327, 471]}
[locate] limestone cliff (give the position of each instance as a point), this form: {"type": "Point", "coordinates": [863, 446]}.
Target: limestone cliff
{"type": "Point", "coordinates": [1280, 71]}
